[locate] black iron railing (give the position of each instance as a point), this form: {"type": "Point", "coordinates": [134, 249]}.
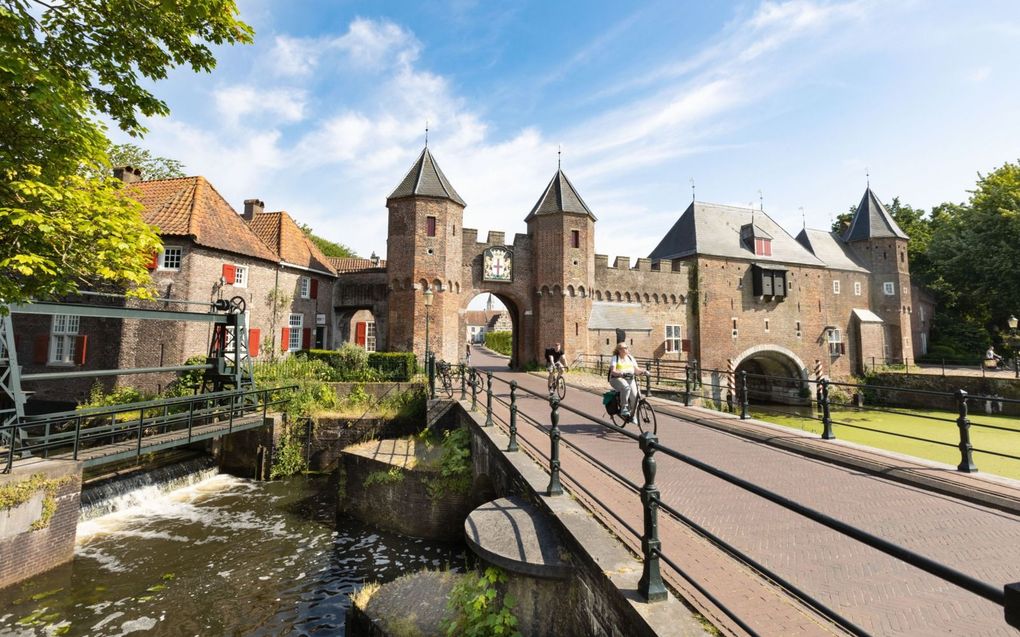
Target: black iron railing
{"type": "Point", "coordinates": [75, 431]}
{"type": "Point", "coordinates": [651, 585]}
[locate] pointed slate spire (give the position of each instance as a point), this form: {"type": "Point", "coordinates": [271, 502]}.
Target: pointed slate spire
{"type": "Point", "coordinates": [425, 179]}
{"type": "Point", "coordinates": [872, 221]}
{"type": "Point", "coordinates": [559, 197]}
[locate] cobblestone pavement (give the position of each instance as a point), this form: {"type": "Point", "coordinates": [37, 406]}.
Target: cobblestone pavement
{"type": "Point", "coordinates": [870, 591]}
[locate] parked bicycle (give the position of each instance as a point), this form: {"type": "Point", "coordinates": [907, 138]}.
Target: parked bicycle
{"type": "Point", "coordinates": [444, 378]}
{"type": "Point", "coordinates": [557, 385]}
{"type": "Point", "coordinates": [642, 413]}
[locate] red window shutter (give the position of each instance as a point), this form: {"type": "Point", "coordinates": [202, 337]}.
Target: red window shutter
{"type": "Point", "coordinates": [81, 343]}
{"type": "Point", "coordinates": [842, 348]}
{"type": "Point", "coordinates": [229, 272]}
{"type": "Point", "coordinates": [306, 338]}
{"type": "Point", "coordinates": [359, 333]}
{"type": "Point", "coordinates": [315, 288]}
{"type": "Point", "coordinates": [253, 342]}
{"type": "Point", "coordinates": [153, 262]}
{"type": "Point", "coordinates": [430, 226]}
{"type": "Point", "coordinates": [285, 339]}
{"type": "Point", "coordinates": [42, 349]}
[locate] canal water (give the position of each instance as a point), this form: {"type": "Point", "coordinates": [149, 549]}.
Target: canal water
{"type": "Point", "coordinates": [222, 556]}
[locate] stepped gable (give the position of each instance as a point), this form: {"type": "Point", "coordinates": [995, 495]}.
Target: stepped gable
{"type": "Point", "coordinates": [830, 249]}
{"type": "Point", "coordinates": [872, 221]}
{"type": "Point", "coordinates": [191, 207]}
{"type": "Point", "coordinates": [715, 230]}
{"type": "Point", "coordinates": [355, 264]}
{"type": "Point", "coordinates": [560, 197]}
{"type": "Point", "coordinates": [426, 179]}
{"type": "Point", "coordinates": [281, 233]}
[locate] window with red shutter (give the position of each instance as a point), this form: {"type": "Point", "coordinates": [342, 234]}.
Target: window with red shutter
{"type": "Point", "coordinates": [253, 342]}
{"type": "Point", "coordinates": [359, 333]}
{"type": "Point", "coordinates": [315, 288]}
{"type": "Point", "coordinates": [153, 262]}
{"type": "Point", "coordinates": [229, 272]}
{"type": "Point", "coordinates": [575, 238]}
{"type": "Point", "coordinates": [80, 347]}
{"type": "Point", "coordinates": [306, 338]}
{"type": "Point", "coordinates": [430, 226]}
{"type": "Point", "coordinates": [41, 351]}
{"type": "Point", "coordinates": [285, 339]}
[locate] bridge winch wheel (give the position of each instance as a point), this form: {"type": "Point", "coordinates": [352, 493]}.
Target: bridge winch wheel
{"type": "Point", "coordinates": [237, 305]}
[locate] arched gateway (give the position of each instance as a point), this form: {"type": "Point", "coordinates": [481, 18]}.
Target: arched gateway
{"type": "Point", "coordinates": [724, 284]}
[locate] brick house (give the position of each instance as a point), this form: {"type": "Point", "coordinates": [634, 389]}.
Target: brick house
{"type": "Point", "coordinates": [726, 286]}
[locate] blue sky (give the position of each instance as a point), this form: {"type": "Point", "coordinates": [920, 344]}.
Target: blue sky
{"type": "Point", "coordinates": [325, 113]}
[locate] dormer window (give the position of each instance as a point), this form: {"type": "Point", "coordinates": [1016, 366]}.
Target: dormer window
{"type": "Point", "coordinates": [754, 238]}
{"type": "Point", "coordinates": [762, 247]}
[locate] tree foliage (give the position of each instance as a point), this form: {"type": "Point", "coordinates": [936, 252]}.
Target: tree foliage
{"type": "Point", "coordinates": [152, 167]}
{"type": "Point", "coordinates": [63, 221]}
{"type": "Point", "coordinates": [328, 248]}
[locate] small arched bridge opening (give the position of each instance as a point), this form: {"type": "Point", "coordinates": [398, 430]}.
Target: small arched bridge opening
{"type": "Point", "coordinates": [774, 375]}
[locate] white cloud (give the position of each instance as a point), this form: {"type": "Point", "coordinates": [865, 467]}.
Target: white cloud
{"type": "Point", "coordinates": [239, 101]}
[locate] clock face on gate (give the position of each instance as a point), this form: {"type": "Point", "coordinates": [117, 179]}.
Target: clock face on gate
{"type": "Point", "coordinates": [497, 264]}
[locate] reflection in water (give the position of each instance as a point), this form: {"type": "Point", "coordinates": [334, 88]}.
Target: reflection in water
{"type": "Point", "coordinates": [225, 556]}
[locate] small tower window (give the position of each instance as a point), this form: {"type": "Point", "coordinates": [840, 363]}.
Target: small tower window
{"type": "Point", "coordinates": [575, 238]}
{"type": "Point", "coordinates": [430, 226]}
{"type": "Point", "coordinates": [763, 247]}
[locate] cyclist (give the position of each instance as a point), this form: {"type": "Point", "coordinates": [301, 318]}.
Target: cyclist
{"type": "Point", "coordinates": [554, 359]}
{"type": "Point", "coordinates": [623, 372]}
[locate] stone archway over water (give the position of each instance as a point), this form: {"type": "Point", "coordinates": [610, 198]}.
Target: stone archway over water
{"type": "Point", "coordinates": [774, 375]}
{"type": "Point", "coordinates": [515, 313]}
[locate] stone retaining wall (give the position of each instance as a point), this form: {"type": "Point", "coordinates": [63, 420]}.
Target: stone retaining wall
{"type": "Point", "coordinates": [1008, 388]}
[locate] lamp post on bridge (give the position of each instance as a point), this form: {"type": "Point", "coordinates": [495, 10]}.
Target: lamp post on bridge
{"type": "Point", "coordinates": [429, 367]}
{"type": "Point", "coordinates": [1014, 341]}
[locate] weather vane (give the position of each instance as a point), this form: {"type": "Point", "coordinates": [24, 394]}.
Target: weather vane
{"type": "Point", "coordinates": [803, 219]}
{"type": "Point", "coordinates": [692, 190]}
{"type": "Point", "coordinates": [559, 156]}
{"type": "Point", "coordinates": [426, 133]}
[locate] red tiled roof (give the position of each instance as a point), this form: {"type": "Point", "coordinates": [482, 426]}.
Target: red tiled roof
{"type": "Point", "coordinates": [191, 207]}
{"type": "Point", "coordinates": [280, 232]}
{"type": "Point", "coordinates": [354, 264]}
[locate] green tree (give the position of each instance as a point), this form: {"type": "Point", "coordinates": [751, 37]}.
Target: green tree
{"type": "Point", "coordinates": [152, 167]}
{"type": "Point", "coordinates": [328, 248]}
{"type": "Point", "coordinates": [62, 65]}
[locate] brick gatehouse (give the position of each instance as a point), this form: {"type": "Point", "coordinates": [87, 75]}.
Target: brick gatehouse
{"type": "Point", "coordinates": [725, 286]}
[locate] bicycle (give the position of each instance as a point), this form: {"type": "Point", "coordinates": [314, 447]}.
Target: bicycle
{"type": "Point", "coordinates": [557, 385]}
{"type": "Point", "coordinates": [444, 379]}
{"type": "Point", "coordinates": [643, 413]}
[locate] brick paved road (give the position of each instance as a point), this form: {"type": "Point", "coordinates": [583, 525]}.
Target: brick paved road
{"type": "Point", "coordinates": [876, 593]}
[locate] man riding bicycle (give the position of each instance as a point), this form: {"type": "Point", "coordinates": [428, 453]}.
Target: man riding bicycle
{"type": "Point", "coordinates": [623, 372]}
{"type": "Point", "coordinates": [554, 360]}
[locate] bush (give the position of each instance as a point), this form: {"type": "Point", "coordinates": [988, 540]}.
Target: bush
{"type": "Point", "coordinates": [501, 342]}
{"type": "Point", "coordinates": [348, 364]}
{"type": "Point", "coordinates": [394, 366]}
{"type": "Point", "coordinates": [476, 606]}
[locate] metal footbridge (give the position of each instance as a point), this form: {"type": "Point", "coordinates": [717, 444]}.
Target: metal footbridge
{"type": "Point", "coordinates": [225, 401]}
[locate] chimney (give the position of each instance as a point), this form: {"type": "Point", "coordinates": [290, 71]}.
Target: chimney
{"type": "Point", "coordinates": [128, 174]}
{"type": "Point", "coordinates": [375, 259]}
{"type": "Point", "coordinates": [252, 207]}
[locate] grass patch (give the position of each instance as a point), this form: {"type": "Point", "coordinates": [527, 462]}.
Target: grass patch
{"type": "Point", "coordinates": [920, 423]}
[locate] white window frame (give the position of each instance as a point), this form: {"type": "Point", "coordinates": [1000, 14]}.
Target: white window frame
{"type": "Point", "coordinates": [835, 340]}
{"type": "Point", "coordinates": [63, 333]}
{"type": "Point", "coordinates": [305, 287]}
{"type": "Point", "coordinates": [240, 276]}
{"type": "Point", "coordinates": [176, 253]}
{"type": "Point", "coordinates": [835, 287]}
{"type": "Point", "coordinates": [673, 338]}
{"type": "Point", "coordinates": [296, 323]}
{"type": "Point", "coordinates": [857, 288]}
{"type": "Point", "coordinates": [370, 336]}
{"type": "Point", "coordinates": [889, 288]}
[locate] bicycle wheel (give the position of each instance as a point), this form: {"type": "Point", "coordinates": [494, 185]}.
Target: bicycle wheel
{"type": "Point", "coordinates": [447, 385]}
{"type": "Point", "coordinates": [645, 417]}
{"type": "Point", "coordinates": [561, 387]}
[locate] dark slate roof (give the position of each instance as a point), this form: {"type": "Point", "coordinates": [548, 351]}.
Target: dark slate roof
{"type": "Point", "coordinates": [425, 179]}
{"type": "Point", "coordinates": [559, 197]}
{"type": "Point", "coordinates": [830, 249]}
{"type": "Point", "coordinates": [715, 230]}
{"type": "Point", "coordinates": [872, 221]}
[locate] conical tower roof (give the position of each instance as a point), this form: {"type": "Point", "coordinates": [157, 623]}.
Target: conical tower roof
{"type": "Point", "coordinates": [425, 179]}
{"type": "Point", "coordinates": [559, 197]}
{"type": "Point", "coordinates": [872, 221]}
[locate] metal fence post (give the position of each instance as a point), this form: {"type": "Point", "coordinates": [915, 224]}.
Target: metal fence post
{"type": "Point", "coordinates": [743, 395]}
{"type": "Point", "coordinates": [512, 446]}
{"type": "Point", "coordinates": [648, 378]}
{"type": "Point", "coordinates": [966, 456]}
{"type": "Point", "coordinates": [554, 487]}
{"type": "Point", "coordinates": [1012, 605]}
{"type": "Point", "coordinates": [658, 372]}
{"type": "Point", "coordinates": [488, 400]}
{"type": "Point", "coordinates": [650, 585]}
{"type": "Point", "coordinates": [430, 366]}
{"type": "Point", "coordinates": [687, 385]}
{"type": "Point", "coordinates": [826, 416]}
{"type": "Point", "coordinates": [474, 390]}
{"type": "Point", "coordinates": [697, 374]}
{"type": "Point", "coordinates": [463, 376]}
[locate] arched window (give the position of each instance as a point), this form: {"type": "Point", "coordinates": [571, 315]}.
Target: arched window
{"type": "Point", "coordinates": [570, 290]}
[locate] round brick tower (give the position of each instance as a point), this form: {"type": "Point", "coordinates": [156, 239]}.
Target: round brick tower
{"type": "Point", "coordinates": [424, 252]}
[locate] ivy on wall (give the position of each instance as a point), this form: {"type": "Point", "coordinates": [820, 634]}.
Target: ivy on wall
{"type": "Point", "coordinates": [17, 493]}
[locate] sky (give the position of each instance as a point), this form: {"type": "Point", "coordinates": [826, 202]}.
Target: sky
{"type": "Point", "coordinates": [784, 105]}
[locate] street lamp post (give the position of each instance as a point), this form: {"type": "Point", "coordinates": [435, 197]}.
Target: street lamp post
{"type": "Point", "coordinates": [429, 367]}
{"type": "Point", "coordinates": [1014, 341]}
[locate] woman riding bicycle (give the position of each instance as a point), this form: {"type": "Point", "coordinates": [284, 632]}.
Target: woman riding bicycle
{"type": "Point", "coordinates": [623, 372]}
